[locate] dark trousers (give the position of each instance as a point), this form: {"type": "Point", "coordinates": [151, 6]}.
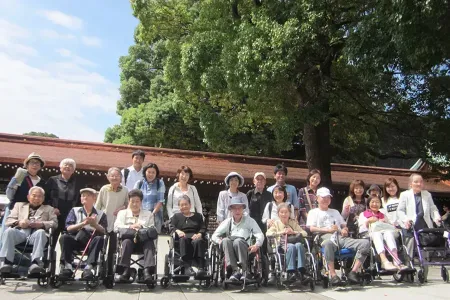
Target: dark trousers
{"type": "Point", "coordinates": [112, 248]}
{"type": "Point", "coordinates": [69, 244]}
{"type": "Point", "coordinates": [59, 230]}
{"type": "Point", "coordinates": [193, 250]}
{"type": "Point", "coordinates": [128, 247]}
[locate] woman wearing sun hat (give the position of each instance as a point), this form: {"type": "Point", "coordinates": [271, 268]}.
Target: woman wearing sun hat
{"type": "Point", "coordinates": [233, 181]}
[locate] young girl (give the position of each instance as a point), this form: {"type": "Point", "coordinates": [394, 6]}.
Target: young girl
{"type": "Point", "coordinates": [354, 204]}
{"type": "Point", "coordinates": [270, 214]}
{"type": "Point", "coordinates": [390, 201]}
{"type": "Point", "coordinates": [367, 220]}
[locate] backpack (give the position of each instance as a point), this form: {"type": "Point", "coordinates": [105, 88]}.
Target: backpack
{"type": "Point", "coordinates": [126, 172]}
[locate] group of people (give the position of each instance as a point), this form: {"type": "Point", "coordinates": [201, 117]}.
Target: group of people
{"type": "Point", "coordinates": [135, 197]}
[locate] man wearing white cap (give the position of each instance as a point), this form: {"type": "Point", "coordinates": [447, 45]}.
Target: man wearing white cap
{"type": "Point", "coordinates": [328, 223]}
{"type": "Point", "coordinates": [234, 234]}
{"type": "Point", "coordinates": [233, 181]}
{"type": "Point", "coordinates": [258, 199]}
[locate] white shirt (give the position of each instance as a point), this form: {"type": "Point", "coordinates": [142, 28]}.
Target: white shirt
{"type": "Point", "coordinates": [390, 209]}
{"type": "Point", "coordinates": [133, 177]}
{"type": "Point", "coordinates": [174, 195]}
{"type": "Point", "coordinates": [274, 214]}
{"type": "Point", "coordinates": [324, 218]}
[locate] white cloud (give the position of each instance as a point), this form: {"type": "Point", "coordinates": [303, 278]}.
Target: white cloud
{"type": "Point", "coordinates": [52, 34]}
{"type": "Point", "coordinates": [11, 37]}
{"type": "Point", "coordinates": [77, 60]}
{"type": "Point", "coordinates": [91, 41]}
{"type": "Point", "coordinates": [62, 19]}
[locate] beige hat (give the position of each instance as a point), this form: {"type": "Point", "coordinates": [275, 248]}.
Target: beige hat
{"type": "Point", "coordinates": [34, 156]}
{"type": "Point", "coordinates": [89, 190]}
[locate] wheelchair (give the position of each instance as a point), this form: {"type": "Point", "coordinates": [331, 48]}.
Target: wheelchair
{"type": "Point", "coordinates": [256, 274]}
{"type": "Point", "coordinates": [136, 267]}
{"type": "Point", "coordinates": [277, 259]}
{"type": "Point", "coordinates": [22, 261]}
{"type": "Point", "coordinates": [344, 258]}
{"type": "Point", "coordinates": [79, 262]}
{"type": "Point", "coordinates": [433, 249]}
{"type": "Point", "coordinates": [373, 264]}
{"type": "Point", "coordinates": [174, 266]}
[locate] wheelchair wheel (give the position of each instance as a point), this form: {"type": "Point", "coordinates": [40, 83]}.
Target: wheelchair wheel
{"type": "Point", "coordinates": [225, 285]}
{"type": "Point", "coordinates": [165, 282]}
{"type": "Point", "coordinates": [421, 276]}
{"type": "Point", "coordinates": [325, 282]}
{"type": "Point", "coordinates": [444, 274]}
{"type": "Point", "coordinates": [151, 285]}
{"type": "Point", "coordinates": [312, 285]}
{"type": "Point", "coordinates": [108, 283]}
{"type": "Point", "coordinates": [43, 281]}
{"type": "Point", "coordinates": [206, 283]}
{"type": "Point", "coordinates": [166, 265]}
{"type": "Point", "coordinates": [55, 282]}
{"type": "Point", "coordinates": [278, 283]}
{"type": "Point", "coordinates": [93, 284]}
{"type": "Point", "coordinates": [2, 280]}
{"type": "Point", "coordinates": [399, 277]}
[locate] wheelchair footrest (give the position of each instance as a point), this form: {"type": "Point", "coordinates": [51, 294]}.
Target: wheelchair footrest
{"type": "Point", "coordinates": [180, 278]}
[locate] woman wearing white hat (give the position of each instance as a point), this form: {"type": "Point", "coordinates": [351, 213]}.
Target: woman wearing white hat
{"type": "Point", "coordinates": [233, 181]}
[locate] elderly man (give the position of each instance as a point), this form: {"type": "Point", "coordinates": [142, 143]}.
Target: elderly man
{"type": "Point", "coordinates": [234, 234]}
{"type": "Point", "coordinates": [258, 199]}
{"type": "Point", "coordinates": [80, 225]}
{"type": "Point", "coordinates": [416, 208]}
{"type": "Point", "coordinates": [329, 223]}
{"type": "Point", "coordinates": [28, 221]}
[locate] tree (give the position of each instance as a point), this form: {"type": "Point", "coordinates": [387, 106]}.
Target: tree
{"type": "Point", "coordinates": [339, 76]}
{"type": "Point", "coordinates": [44, 134]}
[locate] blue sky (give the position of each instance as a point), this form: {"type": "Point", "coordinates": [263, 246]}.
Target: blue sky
{"type": "Point", "coordinates": [59, 65]}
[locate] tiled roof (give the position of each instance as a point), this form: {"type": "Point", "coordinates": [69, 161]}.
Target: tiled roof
{"type": "Point", "coordinates": [205, 165]}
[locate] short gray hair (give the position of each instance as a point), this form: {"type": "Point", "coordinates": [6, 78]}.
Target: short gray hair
{"type": "Point", "coordinates": [112, 169]}
{"type": "Point", "coordinates": [284, 205]}
{"type": "Point", "coordinates": [411, 178]}
{"type": "Point", "coordinates": [184, 197]}
{"type": "Point", "coordinates": [36, 188]}
{"type": "Point", "coordinates": [68, 161]}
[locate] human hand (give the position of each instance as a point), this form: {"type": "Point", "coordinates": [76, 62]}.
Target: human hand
{"type": "Point", "coordinates": [136, 226]}
{"type": "Point", "coordinates": [270, 222]}
{"type": "Point", "coordinates": [253, 248]}
{"type": "Point", "coordinates": [24, 224]}
{"type": "Point", "coordinates": [333, 229]}
{"type": "Point", "coordinates": [36, 225]}
{"type": "Point", "coordinates": [347, 207]}
{"type": "Point", "coordinates": [373, 219]}
{"type": "Point", "coordinates": [344, 232]}
{"type": "Point", "coordinates": [408, 224]}
{"type": "Point", "coordinates": [56, 211]}
{"type": "Point", "coordinates": [180, 233]}
{"type": "Point", "coordinates": [288, 230]}
{"type": "Point", "coordinates": [91, 220]}
{"type": "Point", "coordinates": [196, 236]}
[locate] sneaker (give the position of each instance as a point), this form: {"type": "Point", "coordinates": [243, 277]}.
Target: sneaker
{"type": "Point", "coordinates": [66, 273]}
{"type": "Point", "coordinates": [353, 277]}
{"type": "Point", "coordinates": [201, 274]}
{"type": "Point", "coordinates": [6, 268]}
{"type": "Point", "coordinates": [35, 269]}
{"type": "Point", "coordinates": [87, 274]}
{"type": "Point", "coordinates": [335, 280]}
{"type": "Point", "coordinates": [236, 276]}
{"type": "Point", "coordinates": [388, 266]}
{"type": "Point", "coordinates": [401, 267]}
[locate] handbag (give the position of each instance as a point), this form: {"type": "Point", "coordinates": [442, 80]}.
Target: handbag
{"type": "Point", "coordinates": [431, 239]}
{"type": "Point", "coordinates": [146, 234]}
{"type": "Point", "coordinates": [83, 236]}
{"type": "Point", "coordinates": [382, 226]}
{"type": "Point", "coordinates": [295, 238]}
{"type": "Point", "coordinates": [127, 233]}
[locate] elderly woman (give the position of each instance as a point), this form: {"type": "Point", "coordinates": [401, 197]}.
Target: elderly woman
{"type": "Point", "coordinates": [111, 199]}
{"type": "Point", "coordinates": [283, 228]}
{"type": "Point", "coordinates": [63, 193]}
{"type": "Point", "coordinates": [153, 189]}
{"type": "Point", "coordinates": [180, 188]}
{"type": "Point", "coordinates": [24, 179]}
{"type": "Point", "coordinates": [233, 181]}
{"type": "Point", "coordinates": [135, 218]}
{"type": "Point", "coordinates": [190, 230]}
{"type": "Point", "coordinates": [368, 221]}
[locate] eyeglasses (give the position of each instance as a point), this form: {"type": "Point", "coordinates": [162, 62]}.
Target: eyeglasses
{"type": "Point", "coordinates": [34, 162]}
{"type": "Point", "coordinates": [114, 176]}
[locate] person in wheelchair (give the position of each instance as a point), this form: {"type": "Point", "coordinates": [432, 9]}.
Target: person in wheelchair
{"type": "Point", "coordinates": [234, 234]}
{"type": "Point", "coordinates": [128, 224]}
{"type": "Point", "coordinates": [28, 221]}
{"type": "Point", "coordinates": [287, 228]}
{"type": "Point", "coordinates": [82, 224]}
{"type": "Point", "coordinates": [333, 231]}
{"type": "Point", "coordinates": [190, 230]}
{"type": "Point", "coordinates": [374, 223]}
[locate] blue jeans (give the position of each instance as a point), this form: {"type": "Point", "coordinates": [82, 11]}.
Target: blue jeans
{"type": "Point", "coordinates": [294, 252]}
{"type": "Point", "coordinates": [7, 212]}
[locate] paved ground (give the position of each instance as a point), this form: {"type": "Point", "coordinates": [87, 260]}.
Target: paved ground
{"type": "Point", "coordinates": [385, 289]}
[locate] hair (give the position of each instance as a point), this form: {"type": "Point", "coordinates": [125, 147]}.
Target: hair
{"type": "Point", "coordinates": [387, 183]}
{"type": "Point", "coordinates": [231, 177]}
{"type": "Point", "coordinates": [151, 166]}
{"type": "Point", "coordinates": [283, 205]}
{"type": "Point", "coordinates": [280, 188]}
{"type": "Point", "coordinates": [310, 174]}
{"type": "Point", "coordinates": [411, 178]}
{"type": "Point", "coordinates": [280, 167]}
{"type": "Point", "coordinates": [138, 152]}
{"type": "Point", "coordinates": [184, 197]}
{"type": "Point", "coordinates": [36, 188]}
{"type": "Point", "coordinates": [185, 169]}
{"type": "Point", "coordinates": [68, 161]}
{"type": "Point", "coordinates": [135, 193]}
{"type": "Point", "coordinates": [112, 169]}
{"type": "Point", "coordinates": [353, 184]}
{"type": "Point", "coordinates": [371, 198]}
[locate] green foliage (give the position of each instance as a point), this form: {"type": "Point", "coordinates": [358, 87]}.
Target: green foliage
{"type": "Point", "coordinates": [44, 134]}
